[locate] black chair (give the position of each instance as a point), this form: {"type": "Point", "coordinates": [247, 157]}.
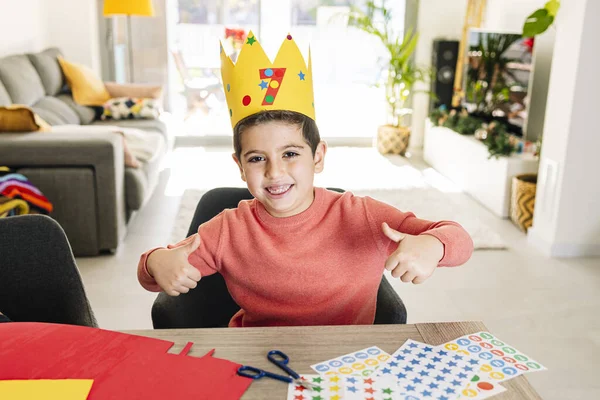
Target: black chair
{"type": "Point", "coordinates": [210, 305]}
{"type": "Point", "coordinates": [39, 280]}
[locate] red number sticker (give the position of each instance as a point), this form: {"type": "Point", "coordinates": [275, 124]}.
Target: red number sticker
{"type": "Point", "coordinates": [522, 367]}
{"type": "Point", "coordinates": [509, 360]}
{"type": "Point", "coordinates": [497, 353]}
{"type": "Point", "coordinates": [475, 338]}
{"type": "Point", "coordinates": [486, 345]}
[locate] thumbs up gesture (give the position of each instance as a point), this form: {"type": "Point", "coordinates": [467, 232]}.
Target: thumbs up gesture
{"type": "Point", "coordinates": [171, 269]}
{"type": "Point", "coordinates": [416, 257]}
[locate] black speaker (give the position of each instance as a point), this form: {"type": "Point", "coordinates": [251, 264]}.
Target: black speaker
{"type": "Point", "coordinates": [444, 58]}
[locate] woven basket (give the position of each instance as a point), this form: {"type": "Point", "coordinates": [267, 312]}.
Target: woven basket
{"type": "Point", "coordinates": [392, 139]}
{"type": "Point", "coordinates": [523, 200]}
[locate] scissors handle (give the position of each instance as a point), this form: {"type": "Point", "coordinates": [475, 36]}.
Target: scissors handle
{"type": "Point", "coordinates": [280, 359]}
{"type": "Point", "coordinates": [256, 373]}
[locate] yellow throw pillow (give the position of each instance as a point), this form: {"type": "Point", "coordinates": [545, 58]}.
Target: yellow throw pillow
{"type": "Point", "coordinates": [88, 89]}
{"type": "Point", "coordinates": [133, 90]}
{"type": "Point", "coordinates": [20, 118]}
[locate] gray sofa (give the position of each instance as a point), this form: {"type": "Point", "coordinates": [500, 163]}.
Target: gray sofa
{"type": "Point", "coordinates": [83, 175]}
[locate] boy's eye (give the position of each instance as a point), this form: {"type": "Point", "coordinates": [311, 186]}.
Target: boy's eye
{"type": "Point", "coordinates": [290, 154]}
{"type": "Point", "coordinates": [255, 159]}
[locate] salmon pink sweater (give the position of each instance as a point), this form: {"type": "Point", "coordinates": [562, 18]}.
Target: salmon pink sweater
{"type": "Point", "coordinates": [320, 267]}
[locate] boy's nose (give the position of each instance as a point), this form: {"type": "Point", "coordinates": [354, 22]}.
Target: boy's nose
{"type": "Point", "coordinates": [274, 170]}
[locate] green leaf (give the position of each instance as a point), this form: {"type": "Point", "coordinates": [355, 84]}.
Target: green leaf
{"type": "Point", "coordinates": [537, 23]}
{"type": "Point", "coordinates": [552, 7]}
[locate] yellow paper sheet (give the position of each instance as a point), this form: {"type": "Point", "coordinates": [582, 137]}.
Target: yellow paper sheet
{"type": "Point", "coordinates": [46, 389]}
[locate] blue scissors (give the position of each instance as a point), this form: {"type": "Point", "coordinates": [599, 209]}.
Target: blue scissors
{"type": "Point", "coordinates": [281, 360]}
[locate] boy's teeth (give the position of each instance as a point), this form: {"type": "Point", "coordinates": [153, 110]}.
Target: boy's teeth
{"type": "Point", "coordinates": [278, 189]}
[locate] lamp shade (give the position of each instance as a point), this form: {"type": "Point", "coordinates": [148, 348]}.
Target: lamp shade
{"type": "Point", "coordinates": [128, 7]}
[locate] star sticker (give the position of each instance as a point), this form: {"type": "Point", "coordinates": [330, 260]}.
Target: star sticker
{"type": "Point", "coordinates": [386, 371]}
{"type": "Point", "coordinates": [452, 364]}
{"type": "Point", "coordinates": [251, 40]}
{"type": "Point", "coordinates": [416, 380]}
{"type": "Point", "coordinates": [301, 75]}
{"type": "Point", "coordinates": [427, 348]}
{"type": "Point", "coordinates": [334, 378]}
{"type": "Point", "coordinates": [351, 380]}
{"type": "Point", "coordinates": [387, 391]}
{"type": "Point", "coordinates": [430, 366]}
{"type": "Point", "coordinates": [455, 383]}
{"type": "Point", "coordinates": [467, 368]}
{"type": "Point", "coordinates": [436, 359]}
{"type": "Point", "coordinates": [352, 389]}
{"type": "Point", "coordinates": [370, 390]}
{"type": "Point", "coordinates": [415, 362]}
{"type": "Point", "coordinates": [317, 398]}
{"type": "Point", "coordinates": [400, 375]}
{"type": "Point", "coordinates": [440, 378]}
{"type": "Point", "coordinates": [369, 381]}
{"type": "Point", "coordinates": [335, 397]}
{"type": "Point", "coordinates": [393, 364]}
{"type": "Point", "coordinates": [408, 368]}
{"type": "Point", "coordinates": [407, 351]}
{"type": "Point", "coordinates": [433, 385]}
{"type": "Point", "coordinates": [299, 397]}
{"type": "Point", "coordinates": [422, 355]}
{"type": "Point", "coordinates": [462, 375]}
{"type": "Point", "coordinates": [473, 362]}
{"type": "Point", "coordinates": [300, 388]}
{"type": "Point", "coordinates": [335, 388]}
{"type": "Point", "coordinates": [317, 379]}
{"type": "Point", "coordinates": [426, 393]}
{"type": "Point", "coordinates": [317, 389]}
{"type": "Point", "coordinates": [443, 353]}
{"type": "Point", "coordinates": [410, 388]}
{"type": "Point", "coordinates": [443, 398]}
{"type": "Point", "coordinates": [446, 371]}
{"type": "Point", "coordinates": [400, 357]}
{"type": "Point", "coordinates": [424, 373]}
{"type": "Point", "coordinates": [449, 391]}
{"type": "Point", "coordinates": [263, 85]}
{"type": "Point", "coordinates": [413, 345]}
{"type": "Point", "coordinates": [458, 357]}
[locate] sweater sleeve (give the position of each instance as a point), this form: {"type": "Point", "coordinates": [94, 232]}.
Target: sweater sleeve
{"type": "Point", "coordinates": [458, 245]}
{"type": "Point", "coordinates": [205, 257]}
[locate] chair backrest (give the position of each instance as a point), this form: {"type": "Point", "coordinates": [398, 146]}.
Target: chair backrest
{"type": "Point", "coordinates": [39, 279]}
{"type": "Point", "coordinates": [180, 65]}
{"type": "Point", "coordinates": [210, 305]}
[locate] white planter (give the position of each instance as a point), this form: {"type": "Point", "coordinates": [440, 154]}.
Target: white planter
{"type": "Point", "coordinates": [464, 160]}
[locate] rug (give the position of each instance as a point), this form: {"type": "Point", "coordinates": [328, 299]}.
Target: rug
{"type": "Point", "coordinates": [426, 203]}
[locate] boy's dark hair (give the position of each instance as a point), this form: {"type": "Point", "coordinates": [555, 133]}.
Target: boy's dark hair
{"type": "Point", "coordinates": [310, 132]}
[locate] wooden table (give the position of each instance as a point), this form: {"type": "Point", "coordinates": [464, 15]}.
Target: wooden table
{"type": "Point", "coordinates": [309, 345]}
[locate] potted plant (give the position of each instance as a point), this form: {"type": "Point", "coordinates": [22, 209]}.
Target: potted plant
{"type": "Point", "coordinates": [400, 73]}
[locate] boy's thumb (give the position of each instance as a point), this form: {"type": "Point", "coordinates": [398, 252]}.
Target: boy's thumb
{"type": "Point", "coordinates": [194, 244]}
{"type": "Point", "coordinates": [392, 233]}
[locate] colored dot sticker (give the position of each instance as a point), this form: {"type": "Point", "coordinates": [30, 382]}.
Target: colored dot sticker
{"type": "Point", "coordinates": [373, 352]}
{"type": "Point", "coordinates": [451, 346]}
{"type": "Point", "coordinates": [463, 342]}
{"type": "Point", "coordinates": [509, 360]}
{"type": "Point", "coordinates": [474, 348]}
{"type": "Point", "coordinates": [497, 363]}
{"type": "Point", "coordinates": [533, 365]}
{"type": "Point", "coordinates": [521, 357]}
{"type": "Point", "coordinates": [335, 363]}
{"type": "Point", "coordinates": [322, 368]}
{"type": "Point", "coordinates": [475, 378]}
{"type": "Point", "coordinates": [383, 357]}
{"type": "Point", "coordinates": [466, 353]}
{"type": "Point", "coordinates": [246, 100]}
{"type": "Point", "coordinates": [367, 372]}
{"type": "Point", "coordinates": [496, 342]}
{"type": "Point", "coordinates": [497, 375]}
{"type": "Point", "coordinates": [469, 393]}
{"type": "Point", "coordinates": [230, 112]}
{"type": "Point", "coordinates": [475, 338]}
{"type": "Point", "coordinates": [362, 355]}
{"type": "Point", "coordinates": [358, 366]}
{"type": "Point", "coordinates": [510, 371]}
{"type": "Point", "coordinates": [486, 356]}
{"type": "Point", "coordinates": [486, 368]}
{"type": "Point", "coordinates": [521, 367]}
{"type": "Point", "coordinates": [486, 345]}
{"type": "Point", "coordinates": [269, 98]}
{"type": "Point", "coordinates": [228, 87]}
{"type": "Point", "coordinates": [274, 84]}
{"type": "Point", "coordinates": [371, 362]}
{"type": "Point", "coordinates": [331, 373]}
{"type": "Point", "coordinates": [485, 386]}
{"type": "Point", "coordinates": [289, 37]}
{"type": "Point", "coordinates": [348, 359]}
{"type": "Point", "coordinates": [269, 72]}
{"type": "Point", "coordinates": [509, 350]}
{"type": "Point", "coordinates": [497, 353]}
{"type": "Point", "coordinates": [486, 335]}
{"type": "Point", "coordinates": [345, 370]}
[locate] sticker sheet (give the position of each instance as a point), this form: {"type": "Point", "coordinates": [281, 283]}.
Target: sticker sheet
{"type": "Point", "coordinates": [337, 387]}
{"type": "Point", "coordinates": [424, 371]}
{"type": "Point", "coordinates": [327, 388]}
{"type": "Point", "coordinates": [500, 361]}
{"type": "Point", "coordinates": [481, 389]}
{"type": "Point", "coordinates": [371, 388]}
{"type": "Point", "coordinates": [360, 363]}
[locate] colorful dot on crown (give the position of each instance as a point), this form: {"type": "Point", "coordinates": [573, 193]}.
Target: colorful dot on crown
{"type": "Point", "coordinates": [228, 87]}
{"type": "Point", "coordinates": [230, 113]}
{"type": "Point", "coordinates": [268, 72]}
{"type": "Point", "coordinates": [247, 99]}
{"type": "Point", "coordinates": [289, 37]}
{"type": "Point", "coordinates": [274, 84]}
{"type": "Point", "coordinates": [269, 99]}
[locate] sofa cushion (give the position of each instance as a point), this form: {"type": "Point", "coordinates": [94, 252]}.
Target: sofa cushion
{"type": "Point", "coordinates": [47, 67]}
{"type": "Point", "coordinates": [55, 112]}
{"type": "Point", "coordinates": [16, 118]}
{"type": "Point", "coordinates": [140, 182]}
{"type": "Point", "coordinates": [21, 80]}
{"type": "Point", "coordinates": [86, 114]}
{"type": "Point", "coordinates": [4, 97]}
{"type": "Point", "coordinates": [87, 87]}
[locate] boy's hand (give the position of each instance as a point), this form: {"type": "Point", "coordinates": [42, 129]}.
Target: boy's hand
{"type": "Point", "coordinates": [171, 269]}
{"type": "Point", "coordinates": [416, 257]}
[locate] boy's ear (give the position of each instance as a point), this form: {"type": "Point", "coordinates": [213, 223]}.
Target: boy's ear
{"type": "Point", "coordinates": [320, 156]}
{"type": "Point", "coordinates": [239, 164]}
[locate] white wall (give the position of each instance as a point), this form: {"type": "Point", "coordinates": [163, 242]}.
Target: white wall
{"type": "Point", "coordinates": [22, 26]}
{"type": "Point", "coordinates": [436, 19]}
{"type": "Point", "coordinates": [567, 208]}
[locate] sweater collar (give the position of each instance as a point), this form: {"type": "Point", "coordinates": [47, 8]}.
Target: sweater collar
{"type": "Point", "coordinates": [315, 209]}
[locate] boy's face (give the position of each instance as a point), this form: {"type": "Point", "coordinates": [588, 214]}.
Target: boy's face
{"type": "Point", "coordinates": [278, 166]}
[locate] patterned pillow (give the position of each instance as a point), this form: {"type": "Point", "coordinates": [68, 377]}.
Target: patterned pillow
{"type": "Point", "coordinates": [130, 108]}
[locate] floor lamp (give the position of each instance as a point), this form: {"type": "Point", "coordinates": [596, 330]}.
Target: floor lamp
{"type": "Point", "coordinates": [141, 8]}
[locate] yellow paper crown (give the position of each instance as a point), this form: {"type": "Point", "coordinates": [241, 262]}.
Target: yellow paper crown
{"type": "Point", "coordinates": [255, 83]}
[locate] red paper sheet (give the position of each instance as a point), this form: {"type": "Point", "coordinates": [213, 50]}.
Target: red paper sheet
{"type": "Point", "coordinates": [122, 366]}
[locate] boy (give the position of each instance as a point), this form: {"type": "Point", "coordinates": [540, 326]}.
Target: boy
{"type": "Point", "coordinates": [296, 254]}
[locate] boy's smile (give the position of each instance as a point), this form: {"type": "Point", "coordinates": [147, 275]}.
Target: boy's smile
{"type": "Point", "coordinates": [278, 166]}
